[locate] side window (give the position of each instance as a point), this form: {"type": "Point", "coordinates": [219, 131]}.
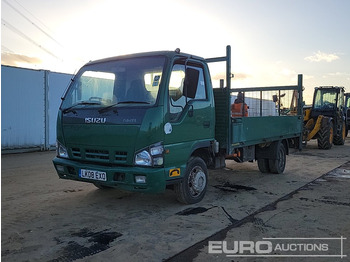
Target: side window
{"type": "Point", "coordinates": [201, 92]}
{"type": "Point", "coordinates": [185, 84]}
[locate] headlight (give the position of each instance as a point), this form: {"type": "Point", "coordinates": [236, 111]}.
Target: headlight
{"type": "Point", "coordinates": [151, 156]}
{"type": "Point", "coordinates": [143, 159]}
{"type": "Point", "coordinates": [61, 150]}
{"type": "Point", "coordinates": [157, 150]}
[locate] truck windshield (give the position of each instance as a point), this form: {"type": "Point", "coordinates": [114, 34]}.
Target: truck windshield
{"type": "Point", "coordinates": [325, 99]}
{"type": "Point", "coordinates": [126, 82]}
{"type": "Point", "coordinates": [347, 103]}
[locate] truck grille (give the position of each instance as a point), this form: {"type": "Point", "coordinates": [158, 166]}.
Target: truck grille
{"type": "Point", "coordinates": [96, 154]}
{"type": "Point", "coordinates": [121, 156]}
{"type": "Point", "coordinates": [100, 155]}
{"type": "Point", "coordinates": [76, 152]}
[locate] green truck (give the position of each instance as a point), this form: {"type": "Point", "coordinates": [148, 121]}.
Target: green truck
{"type": "Point", "coordinates": [150, 121]}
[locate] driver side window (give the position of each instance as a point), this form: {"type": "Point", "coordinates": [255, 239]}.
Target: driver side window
{"type": "Point", "coordinates": [185, 84]}
{"type": "Point", "coordinates": [176, 88]}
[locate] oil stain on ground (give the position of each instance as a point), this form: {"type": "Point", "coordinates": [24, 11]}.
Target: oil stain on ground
{"type": "Point", "coordinates": [85, 243]}
{"type": "Point", "coordinates": [228, 187]}
{"type": "Point", "coordinates": [192, 211]}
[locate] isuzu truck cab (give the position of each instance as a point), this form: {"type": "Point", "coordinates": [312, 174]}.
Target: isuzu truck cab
{"type": "Point", "coordinates": [148, 121]}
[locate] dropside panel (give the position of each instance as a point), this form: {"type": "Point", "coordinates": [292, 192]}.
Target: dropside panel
{"type": "Point", "coordinates": [248, 131]}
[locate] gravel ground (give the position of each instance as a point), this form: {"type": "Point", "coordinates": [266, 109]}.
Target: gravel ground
{"type": "Point", "coordinates": [48, 219]}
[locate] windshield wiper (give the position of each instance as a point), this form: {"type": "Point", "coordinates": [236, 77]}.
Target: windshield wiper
{"type": "Point", "coordinates": [107, 108]}
{"type": "Point", "coordinates": [134, 102]}
{"type": "Point", "coordinates": [123, 102]}
{"type": "Point", "coordinates": [69, 109]}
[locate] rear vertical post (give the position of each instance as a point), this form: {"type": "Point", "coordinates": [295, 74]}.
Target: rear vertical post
{"type": "Point", "coordinates": [300, 108]}
{"type": "Point", "coordinates": [228, 92]}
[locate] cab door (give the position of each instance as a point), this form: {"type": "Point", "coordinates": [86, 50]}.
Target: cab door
{"type": "Point", "coordinates": [190, 110]}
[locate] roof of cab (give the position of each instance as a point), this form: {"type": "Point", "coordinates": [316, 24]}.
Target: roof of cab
{"type": "Point", "coordinates": [169, 54]}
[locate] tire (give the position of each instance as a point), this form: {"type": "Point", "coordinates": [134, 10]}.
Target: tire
{"type": "Point", "coordinates": [263, 165]}
{"type": "Point", "coordinates": [278, 165]}
{"type": "Point", "coordinates": [339, 139]}
{"type": "Point", "coordinates": [325, 135]}
{"type": "Point", "coordinates": [193, 187]}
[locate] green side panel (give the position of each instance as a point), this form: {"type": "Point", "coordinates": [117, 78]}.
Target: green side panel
{"type": "Point", "coordinates": [151, 130]}
{"type": "Point", "coordinates": [248, 131]}
{"type": "Point", "coordinates": [221, 116]}
{"type": "Point", "coordinates": [178, 154]}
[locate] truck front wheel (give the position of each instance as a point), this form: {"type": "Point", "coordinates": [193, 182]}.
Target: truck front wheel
{"type": "Point", "coordinates": [194, 184]}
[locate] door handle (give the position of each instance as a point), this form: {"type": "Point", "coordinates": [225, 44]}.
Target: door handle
{"type": "Point", "coordinates": [206, 124]}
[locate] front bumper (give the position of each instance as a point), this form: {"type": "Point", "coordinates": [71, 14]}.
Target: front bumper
{"type": "Point", "coordinates": [118, 177]}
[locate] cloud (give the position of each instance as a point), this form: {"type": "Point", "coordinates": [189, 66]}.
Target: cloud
{"type": "Point", "coordinates": [320, 56]}
{"type": "Point", "coordinates": [288, 72]}
{"type": "Point", "coordinates": [237, 76]}
{"type": "Point", "coordinates": [337, 75]}
{"type": "Point", "coordinates": [308, 77]}
{"type": "Point", "coordinates": [241, 76]}
{"type": "Point", "coordinates": [17, 59]}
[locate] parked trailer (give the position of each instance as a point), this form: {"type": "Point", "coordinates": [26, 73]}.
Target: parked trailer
{"type": "Point", "coordinates": [150, 121]}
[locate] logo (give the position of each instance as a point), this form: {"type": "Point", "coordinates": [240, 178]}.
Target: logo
{"type": "Point", "coordinates": [95, 120]}
{"type": "Point", "coordinates": [280, 247]}
{"type": "Point", "coordinates": [130, 120]}
{"type": "Point", "coordinates": [174, 172]}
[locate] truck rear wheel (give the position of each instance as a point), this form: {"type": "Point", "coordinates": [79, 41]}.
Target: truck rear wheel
{"type": "Point", "coordinates": [339, 139]}
{"type": "Point", "coordinates": [278, 165]}
{"type": "Point", "coordinates": [325, 135]}
{"type": "Point", "coordinates": [263, 165]}
{"type": "Point", "coordinates": [192, 188]}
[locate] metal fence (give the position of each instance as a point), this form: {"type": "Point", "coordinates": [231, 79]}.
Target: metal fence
{"type": "Point", "coordinates": [29, 103]}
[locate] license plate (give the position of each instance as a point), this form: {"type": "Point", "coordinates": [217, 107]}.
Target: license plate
{"type": "Point", "coordinates": [93, 174]}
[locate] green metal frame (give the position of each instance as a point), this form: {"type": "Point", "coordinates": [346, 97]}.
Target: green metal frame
{"type": "Point", "coordinates": [232, 133]}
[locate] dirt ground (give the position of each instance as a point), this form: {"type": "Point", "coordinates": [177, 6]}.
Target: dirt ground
{"type": "Point", "coordinates": [48, 219]}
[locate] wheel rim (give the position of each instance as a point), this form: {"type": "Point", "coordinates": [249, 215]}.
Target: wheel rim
{"type": "Point", "coordinates": [343, 132]}
{"type": "Point", "coordinates": [197, 181]}
{"type": "Point", "coordinates": [281, 158]}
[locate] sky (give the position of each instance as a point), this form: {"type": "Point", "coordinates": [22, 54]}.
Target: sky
{"type": "Point", "coordinates": [272, 41]}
